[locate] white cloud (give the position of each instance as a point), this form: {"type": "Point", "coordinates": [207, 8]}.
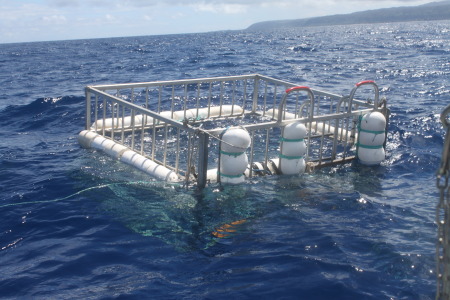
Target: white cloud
{"type": "Point", "coordinates": [221, 8]}
{"type": "Point", "coordinates": [55, 19]}
{"type": "Point", "coordinates": [110, 18]}
{"type": "Point", "coordinates": [177, 15]}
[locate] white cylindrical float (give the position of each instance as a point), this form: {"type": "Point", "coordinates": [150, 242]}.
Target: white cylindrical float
{"type": "Point", "coordinates": [273, 113]}
{"type": "Point", "coordinates": [148, 166]}
{"type": "Point", "coordinates": [233, 160]}
{"type": "Point", "coordinates": [181, 115]}
{"type": "Point", "coordinates": [90, 139]}
{"type": "Point", "coordinates": [371, 137]}
{"type": "Point", "coordinates": [293, 149]}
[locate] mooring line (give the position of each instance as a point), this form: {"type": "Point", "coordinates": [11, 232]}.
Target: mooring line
{"type": "Point", "coordinates": [75, 194]}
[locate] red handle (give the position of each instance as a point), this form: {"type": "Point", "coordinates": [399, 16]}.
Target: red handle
{"type": "Point", "coordinates": [365, 82]}
{"type": "Point", "coordinates": [295, 88]}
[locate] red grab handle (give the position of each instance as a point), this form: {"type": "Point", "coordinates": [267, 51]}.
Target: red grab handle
{"type": "Point", "coordinates": [365, 82]}
{"type": "Point", "coordinates": [295, 88]}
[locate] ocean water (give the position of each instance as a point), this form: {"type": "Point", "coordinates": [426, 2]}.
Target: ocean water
{"type": "Point", "coordinates": [77, 224]}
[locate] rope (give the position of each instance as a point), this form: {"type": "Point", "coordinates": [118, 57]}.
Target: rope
{"type": "Point", "coordinates": [78, 193]}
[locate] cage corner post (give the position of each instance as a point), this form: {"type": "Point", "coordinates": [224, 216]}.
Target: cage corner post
{"type": "Point", "coordinates": [202, 159]}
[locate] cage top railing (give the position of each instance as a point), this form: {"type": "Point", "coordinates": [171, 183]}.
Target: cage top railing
{"type": "Point", "coordinates": [272, 80]}
{"type": "Point", "coordinates": [142, 110]}
{"type": "Point", "coordinates": [181, 82]}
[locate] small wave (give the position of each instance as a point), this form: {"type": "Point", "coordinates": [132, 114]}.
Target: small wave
{"type": "Point", "coordinates": [43, 112]}
{"type": "Point", "coordinates": [303, 48]}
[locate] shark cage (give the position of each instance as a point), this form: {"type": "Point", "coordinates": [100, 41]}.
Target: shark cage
{"type": "Point", "coordinates": [230, 129]}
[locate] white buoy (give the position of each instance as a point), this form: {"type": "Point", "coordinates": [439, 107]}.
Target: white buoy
{"type": "Point", "coordinates": [371, 137]}
{"type": "Point", "coordinates": [235, 140]}
{"type": "Point", "coordinates": [230, 164]}
{"type": "Point", "coordinates": [233, 160]}
{"type": "Point", "coordinates": [293, 149]}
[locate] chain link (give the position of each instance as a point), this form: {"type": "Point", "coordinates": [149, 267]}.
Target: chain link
{"type": "Point", "coordinates": [443, 216]}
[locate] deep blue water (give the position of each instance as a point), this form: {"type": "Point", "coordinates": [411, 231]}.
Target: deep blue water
{"type": "Point", "coordinates": [76, 224]}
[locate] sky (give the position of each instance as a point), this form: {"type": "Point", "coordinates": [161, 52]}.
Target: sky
{"type": "Point", "coordinates": [48, 20]}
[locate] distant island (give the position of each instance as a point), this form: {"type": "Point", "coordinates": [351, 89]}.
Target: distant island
{"type": "Point", "coordinates": [426, 12]}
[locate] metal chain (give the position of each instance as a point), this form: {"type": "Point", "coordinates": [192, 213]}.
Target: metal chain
{"type": "Point", "coordinates": [443, 216]}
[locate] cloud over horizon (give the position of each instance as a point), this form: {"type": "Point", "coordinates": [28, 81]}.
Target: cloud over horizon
{"type": "Point", "coordinates": [39, 20]}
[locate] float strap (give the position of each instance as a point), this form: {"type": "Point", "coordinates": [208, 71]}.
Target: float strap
{"type": "Point", "coordinates": [369, 147]}
{"type": "Point", "coordinates": [235, 154]}
{"type": "Point", "coordinates": [289, 157]}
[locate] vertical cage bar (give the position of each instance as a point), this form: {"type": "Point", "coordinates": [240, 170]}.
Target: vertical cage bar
{"type": "Point", "coordinates": [104, 115]}
{"type": "Point", "coordinates": [88, 109]}
{"type": "Point", "coordinates": [177, 157]}
{"type": "Point", "coordinates": [153, 139]}
{"type": "Point", "coordinates": [190, 151]}
{"type": "Point", "coordinates": [112, 120]}
{"type": "Point", "coordinates": [335, 139]}
{"type": "Point", "coordinates": [274, 100]}
{"type": "Point", "coordinates": [233, 95]}
{"type": "Point", "coordinates": [133, 130]}
{"type": "Point", "coordinates": [165, 145]}
{"type": "Point", "coordinates": [244, 100]}
{"type": "Point", "coordinates": [297, 99]}
{"type": "Point", "coordinates": [143, 118]}
{"type": "Point", "coordinates": [321, 143]}
{"type": "Point", "coordinates": [203, 142]}
{"type": "Point", "coordinates": [185, 101]}
{"type": "Point", "coordinates": [265, 101]}
{"type": "Point", "coordinates": [221, 98]}
{"type": "Point", "coordinates": [95, 113]}
{"type": "Point", "coordinates": [198, 100]}
{"type": "Point", "coordinates": [159, 100]}
{"type": "Point", "coordinates": [209, 99]}
{"type": "Point", "coordinates": [122, 137]}
{"type": "Point", "coordinates": [173, 101]}
{"type": "Point", "coordinates": [255, 94]}
{"type": "Point", "coordinates": [146, 98]}
{"type": "Point", "coordinates": [266, 151]}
